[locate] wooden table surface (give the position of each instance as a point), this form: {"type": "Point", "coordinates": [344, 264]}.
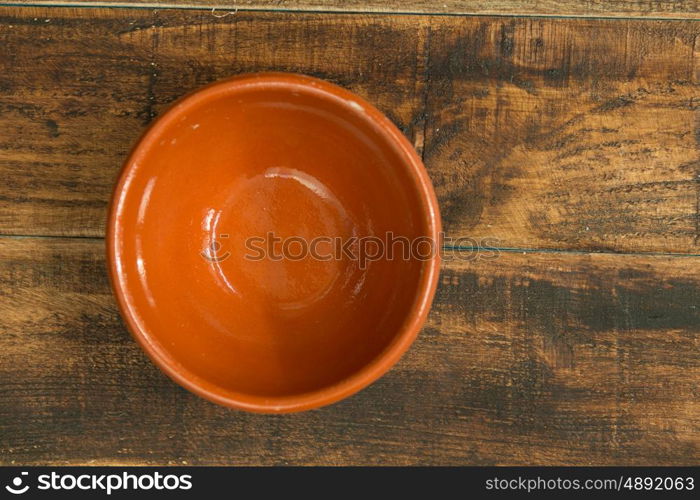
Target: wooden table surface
{"type": "Point", "coordinates": [566, 133]}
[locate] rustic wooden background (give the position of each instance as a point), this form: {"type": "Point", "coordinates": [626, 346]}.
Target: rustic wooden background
{"type": "Point", "coordinates": [567, 132]}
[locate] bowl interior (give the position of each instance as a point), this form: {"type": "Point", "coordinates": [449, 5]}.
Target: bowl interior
{"type": "Point", "coordinates": [208, 230]}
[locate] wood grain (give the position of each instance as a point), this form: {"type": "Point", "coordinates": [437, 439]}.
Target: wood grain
{"type": "Point", "coordinates": [580, 134]}
{"type": "Point", "coordinates": [532, 358]}
{"type": "Point", "coordinates": [561, 134]}
{"type": "Point", "coordinates": [586, 8]}
{"type": "Point", "coordinates": [539, 133]}
{"type": "Point", "coordinates": [78, 86]}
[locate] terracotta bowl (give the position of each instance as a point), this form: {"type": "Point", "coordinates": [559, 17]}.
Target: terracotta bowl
{"type": "Point", "coordinates": [203, 208]}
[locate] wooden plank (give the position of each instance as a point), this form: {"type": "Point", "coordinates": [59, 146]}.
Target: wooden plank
{"type": "Point", "coordinates": [77, 87]}
{"type": "Point", "coordinates": [535, 358]}
{"type": "Point", "coordinates": [541, 133]}
{"type": "Point", "coordinates": [689, 9]}
{"type": "Point", "coordinates": [577, 134]}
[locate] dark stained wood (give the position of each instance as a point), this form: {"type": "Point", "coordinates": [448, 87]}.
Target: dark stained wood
{"type": "Point", "coordinates": [534, 358]}
{"type": "Point", "coordinates": [540, 133]}
{"type": "Point", "coordinates": [578, 134]}
{"type": "Point", "coordinates": [78, 86]}
{"type": "Point", "coordinates": [588, 8]}
{"type": "Point", "coordinates": [561, 134]}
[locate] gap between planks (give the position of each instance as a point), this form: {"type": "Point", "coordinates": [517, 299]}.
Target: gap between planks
{"type": "Point", "coordinates": [448, 248]}
{"type": "Point", "coordinates": [223, 8]}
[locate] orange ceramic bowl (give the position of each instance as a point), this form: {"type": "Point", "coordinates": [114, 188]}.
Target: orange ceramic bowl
{"type": "Point", "coordinates": [199, 248]}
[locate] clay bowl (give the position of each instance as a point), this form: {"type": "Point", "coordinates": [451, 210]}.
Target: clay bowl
{"type": "Point", "coordinates": [271, 157]}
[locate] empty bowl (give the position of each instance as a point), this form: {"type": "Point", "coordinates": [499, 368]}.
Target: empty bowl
{"type": "Point", "coordinates": [238, 242]}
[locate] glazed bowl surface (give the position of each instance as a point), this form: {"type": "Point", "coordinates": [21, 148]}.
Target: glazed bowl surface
{"type": "Point", "coordinates": [238, 242]}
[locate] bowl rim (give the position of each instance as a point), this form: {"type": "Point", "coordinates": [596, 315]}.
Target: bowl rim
{"type": "Point", "coordinates": [426, 287]}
